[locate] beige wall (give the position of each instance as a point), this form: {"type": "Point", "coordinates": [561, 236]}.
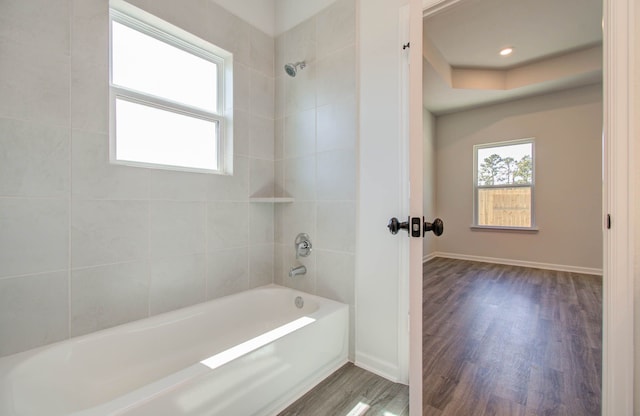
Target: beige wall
{"type": "Point", "coordinates": [429, 177]}
{"type": "Point", "coordinates": [567, 128]}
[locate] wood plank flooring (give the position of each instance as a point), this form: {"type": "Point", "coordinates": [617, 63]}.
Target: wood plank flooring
{"type": "Point", "coordinates": [504, 340]}
{"type": "Point", "coordinates": [355, 392]}
{"type": "Point", "coordinates": [497, 341]}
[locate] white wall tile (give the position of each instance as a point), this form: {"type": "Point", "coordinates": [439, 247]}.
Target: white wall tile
{"type": "Point", "coordinates": [90, 28]}
{"type": "Point", "coordinates": [228, 272]}
{"type": "Point", "coordinates": [34, 235]}
{"type": "Point", "coordinates": [241, 87]}
{"type": "Point", "coordinates": [230, 187]}
{"type": "Point", "coordinates": [300, 134]}
{"type": "Point", "coordinates": [300, 43]}
{"type": "Point", "coordinates": [279, 187]}
{"type": "Point", "coordinates": [89, 96]}
{"type": "Point", "coordinates": [337, 175]}
{"type": "Point", "coordinates": [336, 225]}
{"type": "Point", "coordinates": [93, 177]}
{"type": "Point", "coordinates": [227, 225]}
{"type": "Point", "coordinates": [33, 311]}
{"type": "Point", "coordinates": [336, 76]}
{"type": "Point", "coordinates": [336, 27]}
{"type": "Point", "coordinates": [262, 95]}
{"type": "Point", "coordinates": [262, 52]}
{"type": "Point", "coordinates": [177, 282]}
{"type": "Point", "coordinates": [279, 267]}
{"type": "Point", "coordinates": [261, 223]}
{"type": "Point", "coordinates": [280, 93]}
{"type": "Point", "coordinates": [34, 85]}
{"type": "Point", "coordinates": [90, 65]}
{"type": "Point", "coordinates": [279, 139]}
{"type": "Point", "coordinates": [262, 138]}
{"type": "Point", "coordinates": [337, 125]}
{"type": "Point", "coordinates": [231, 33]}
{"type": "Point", "coordinates": [190, 15]}
{"type": "Point", "coordinates": [295, 218]}
{"type": "Point", "coordinates": [300, 92]}
{"type": "Point", "coordinates": [34, 159]}
{"type": "Point", "coordinates": [106, 232]}
{"type": "Point", "coordinates": [280, 49]}
{"type": "Point", "coordinates": [262, 178]}
{"type": "Point", "coordinates": [36, 24]}
{"type": "Point", "coordinates": [300, 178]}
{"type": "Point", "coordinates": [176, 228]}
{"type": "Point", "coordinates": [241, 132]}
{"type": "Point", "coordinates": [106, 296]}
{"type": "Point", "coordinates": [260, 265]}
{"type": "Point", "coordinates": [119, 216]}
{"type": "Point", "coordinates": [178, 186]}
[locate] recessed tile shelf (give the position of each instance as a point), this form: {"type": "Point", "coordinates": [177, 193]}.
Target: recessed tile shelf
{"type": "Point", "coordinates": [274, 199]}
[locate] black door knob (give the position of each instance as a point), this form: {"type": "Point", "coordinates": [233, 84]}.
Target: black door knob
{"type": "Point", "coordinates": [437, 227]}
{"type": "Point", "coordinates": [394, 226]}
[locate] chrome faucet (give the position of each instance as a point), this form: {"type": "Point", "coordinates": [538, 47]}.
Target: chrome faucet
{"type": "Point", "coordinates": [303, 245]}
{"type": "Point", "coordinates": [299, 270]}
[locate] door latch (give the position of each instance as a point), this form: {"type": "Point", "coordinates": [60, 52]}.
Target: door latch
{"type": "Point", "coordinates": [416, 226]}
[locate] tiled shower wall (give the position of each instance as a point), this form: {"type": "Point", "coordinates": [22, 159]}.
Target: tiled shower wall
{"type": "Point", "coordinates": [315, 151]}
{"type": "Point", "coordinates": [86, 245]}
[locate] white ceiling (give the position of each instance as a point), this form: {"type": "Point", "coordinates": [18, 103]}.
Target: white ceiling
{"type": "Point", "coordinates": [470, 34]}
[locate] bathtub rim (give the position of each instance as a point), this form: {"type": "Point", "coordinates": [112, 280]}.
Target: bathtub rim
{"type": "Point", "coordinates": [6, 360]}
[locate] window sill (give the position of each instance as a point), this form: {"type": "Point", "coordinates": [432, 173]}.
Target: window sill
{"type": "Point", "coordinates": [526, 230]}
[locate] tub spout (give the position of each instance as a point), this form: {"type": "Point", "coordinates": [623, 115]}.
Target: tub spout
{"type": "Point", "coordinates": [295, 271]}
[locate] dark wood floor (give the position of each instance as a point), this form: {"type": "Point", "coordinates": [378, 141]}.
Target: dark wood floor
{"type": "Point", "coordinates": [498, 340]}
{"type": "Point", "coordinates": [503, 340]}
{"type": "Point", "coordinates": [355, 392]}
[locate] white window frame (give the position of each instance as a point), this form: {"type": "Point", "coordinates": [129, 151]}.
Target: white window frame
{"type": "Point", "coordinates": [476, 187]}
{"type": "Point", "coordinates": [137, 19]}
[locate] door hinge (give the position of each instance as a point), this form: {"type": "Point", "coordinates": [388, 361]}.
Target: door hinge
{"type": "Point", "coordinates": [406, 45]}
{"type": "Point", "coordinates": [608, 221]}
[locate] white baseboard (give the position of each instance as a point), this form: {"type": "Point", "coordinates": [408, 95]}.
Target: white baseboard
{"type": "Point", "coordinates": [376, 366]}
{"type": "Point", "coordinates": [522, 263]}
{"type": "Point", "coordinates": [429, 256]}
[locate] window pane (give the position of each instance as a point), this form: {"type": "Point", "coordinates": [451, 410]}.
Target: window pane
{"type": "Point", "coordinates": [151, 135]}
{"type": "Point", "coordinates": [143, 63]}
{"type": "Point", "coordinates": [507, 207]}
{"type": "Point", "coordinates": [505, 165]}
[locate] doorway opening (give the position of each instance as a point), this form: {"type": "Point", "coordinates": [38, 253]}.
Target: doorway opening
{"type": "Point", "coordinates": [510, 312]}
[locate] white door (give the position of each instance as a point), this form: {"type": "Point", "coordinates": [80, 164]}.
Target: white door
{"type": "Point", "coordinates": [415, 206]}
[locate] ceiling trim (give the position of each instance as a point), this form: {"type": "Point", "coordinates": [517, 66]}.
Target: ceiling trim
{"type": "Point", "coordinates": [567, 65]}
{"type": "Point", "coordinates": [433, 7]}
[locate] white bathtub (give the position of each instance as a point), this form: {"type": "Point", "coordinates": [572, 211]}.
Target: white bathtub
{"type": "Point", "coordinates": [239, 355]}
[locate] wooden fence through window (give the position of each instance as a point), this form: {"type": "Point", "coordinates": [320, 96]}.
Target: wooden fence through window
{"type": "Point", "coordinates": [509, 207]}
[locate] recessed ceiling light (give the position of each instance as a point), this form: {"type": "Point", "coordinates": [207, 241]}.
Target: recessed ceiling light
{"type": "Point", "coordinates": [506, 51]}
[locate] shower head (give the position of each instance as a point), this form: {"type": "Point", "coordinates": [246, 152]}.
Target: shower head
{"type": "Point", "coordinates": [292, 69]}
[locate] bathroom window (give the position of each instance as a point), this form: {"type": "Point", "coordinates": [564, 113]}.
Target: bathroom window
{"type": "Point", "coordinates": [504, 185]}
{"type": "Point", "coordinates": [170, 96]}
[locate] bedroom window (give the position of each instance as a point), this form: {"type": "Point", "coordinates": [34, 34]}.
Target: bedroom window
{"type": "Point", "coordinates": [170, 96]}
{"type": "Point", "coordinates": [504, 185]}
